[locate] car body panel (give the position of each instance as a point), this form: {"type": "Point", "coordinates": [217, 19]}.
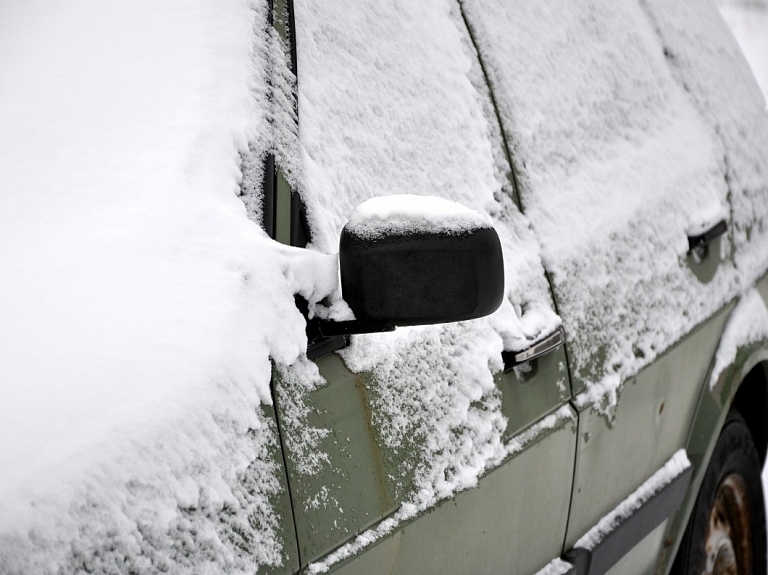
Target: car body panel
{"type": "Point", "coordinates": [709, 416]}
{"type": "Point", "coordinates": [511, 521]}
{"type": "Point", "coordinates": [636, 376]}
{"type": "Point", "coordinates": [352, 491]}
{"type": "Point", "coordinates": [360, 481]}
{"type": "Point", "coordinates": [532, 390]}
{"type": "Point", "coordinates": [281, 503]}
{"type": "Point", "coordinates": [658, 405]}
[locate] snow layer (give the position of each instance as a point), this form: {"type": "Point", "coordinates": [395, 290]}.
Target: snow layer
{"type": "Point", "coordinates": [555, 567]}
{"type": "Point", "coordinates": [617, 168]}
{"type": "Point", "coordinates": [747, 324]}
{"type": "Point", "coordinates": [381, 114]}
{"type": "Point", "coordinates": [140, 307]}
{"type": "Point", "coordinates": [748, 20]}
{"type": "Point", "coordinates": [408, 213]}
{"type": "Point", "coordinates": [706, 59]}
{"type": "Point", "coordinates": [675, 466]}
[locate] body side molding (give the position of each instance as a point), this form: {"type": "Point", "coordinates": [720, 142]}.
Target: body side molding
{"type": "Point", "coordinates": [631, 530]}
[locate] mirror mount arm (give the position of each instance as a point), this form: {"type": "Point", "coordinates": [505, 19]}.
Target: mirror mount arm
{"type": "Point", "coordinates": [325, 336]}
{"type": "Point", "coordinates": [319, 328]}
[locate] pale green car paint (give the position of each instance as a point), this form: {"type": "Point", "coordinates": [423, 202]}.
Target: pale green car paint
{"type": "Point", "coordinates": [671, 405]}
{"type": "Point", "coordinates": [282, 209]}
{"type": "Point", "coordinates": [281, 503]}
{"type": "Point", "coordinates": [658, 406]}
{"type": "Point", "coordinates": [709, 416]}
{"type": "Point", "coordinates": [352, 491]}
{"type": "Point", "coordinates": [513, 519]}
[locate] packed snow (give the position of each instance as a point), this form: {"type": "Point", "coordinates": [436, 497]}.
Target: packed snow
{"type": "Point", "coordinates": [748, 20]}
{"type": "Point", "coordinates": [747, 324]}
{"type": "Point", "coordinates": [140, 306]}
{"type": "Point", "coordinates": [408, 213]}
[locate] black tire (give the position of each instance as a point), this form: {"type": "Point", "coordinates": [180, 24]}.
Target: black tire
{"type": "Point", "coordinates": [733, 527]}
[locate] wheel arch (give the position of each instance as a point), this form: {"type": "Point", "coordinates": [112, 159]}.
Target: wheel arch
{"type": "Point", "coordinates": [743, 385]}
{"type": "Point", "coordinates": [751, 402]}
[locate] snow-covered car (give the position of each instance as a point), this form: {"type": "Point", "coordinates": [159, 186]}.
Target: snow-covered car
{"type": "Point", "coordinates": [353, 286]}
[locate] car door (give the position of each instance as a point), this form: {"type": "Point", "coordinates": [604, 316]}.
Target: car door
{"type": "Point", "coordinates": [417, 451]}
{"type": "Point", "coordinates": [620, 174]}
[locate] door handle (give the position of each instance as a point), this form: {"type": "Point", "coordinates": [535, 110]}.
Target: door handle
{"type": "Point", "coordinates": [538, 349]}
{"type": "Point", "coordinates": [702, 240]}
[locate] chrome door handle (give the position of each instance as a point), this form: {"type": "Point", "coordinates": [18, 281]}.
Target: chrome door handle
{"type": "Point", "coordinates": [702, 240]}
{"type": "Point", "coordinates": [538, 349]}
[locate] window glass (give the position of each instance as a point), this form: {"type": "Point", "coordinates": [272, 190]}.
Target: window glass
{"type": "Point", "coordinates": [616, 169]}
{"type": "Point", "coordinates": [706, 58]}
{"type": "Point", "coordinates": [392, 100]}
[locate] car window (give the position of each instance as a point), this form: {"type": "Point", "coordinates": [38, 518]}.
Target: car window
{"type": "Point", "coordinates": [617, 168]}
{"type": "Point", "coordinates": [708, 61]}
{"type": "Point", "coordinates": [393, 101]}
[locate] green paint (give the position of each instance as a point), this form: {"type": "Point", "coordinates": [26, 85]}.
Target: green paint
{"type": "Point", "coordinates": [363, 481]}
{"type": "Point", "coordinates": [282, 209]}
{"type": "Point", "coordinates": [350, 491]}
{"type": "Point", "coordinates": [640, 437]}
{"type": "Point", "coordinates": [513, 522]}
{"type": "Point", "coordinates": [281, 504]}
{"type": "Point", "coordinates": [280, 19]}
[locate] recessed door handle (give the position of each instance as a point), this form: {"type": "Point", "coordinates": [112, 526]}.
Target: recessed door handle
{"type": "Point", "coordinates": [538, 349]}
{"type": "Point", "coordinates": [702, 240]}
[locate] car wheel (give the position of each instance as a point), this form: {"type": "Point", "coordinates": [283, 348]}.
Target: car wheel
{"type": "Point", "coordinates": [726, 531]}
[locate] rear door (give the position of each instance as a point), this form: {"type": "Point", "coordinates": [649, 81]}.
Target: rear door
{"type": "Point", "coordinates": [412, 451]}
{"type": "Point", "coordinates": [618, 172]}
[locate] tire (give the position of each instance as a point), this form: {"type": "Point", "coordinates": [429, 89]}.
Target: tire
{"type": "Point", "coordinates": [726, 531]}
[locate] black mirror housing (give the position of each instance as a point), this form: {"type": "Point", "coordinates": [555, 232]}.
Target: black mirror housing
{"type": "Point", "coordinates": [417, 277]}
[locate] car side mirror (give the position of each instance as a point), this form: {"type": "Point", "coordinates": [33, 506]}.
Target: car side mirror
{"type": "Point", "coordinates": [416, 260]}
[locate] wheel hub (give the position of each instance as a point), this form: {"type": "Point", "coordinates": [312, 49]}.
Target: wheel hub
{"type": "Point", "coordinates": [728, 542]}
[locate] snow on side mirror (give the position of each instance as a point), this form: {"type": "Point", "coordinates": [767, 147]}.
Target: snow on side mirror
{"type": "Point", "coordinates": [416, 260]}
